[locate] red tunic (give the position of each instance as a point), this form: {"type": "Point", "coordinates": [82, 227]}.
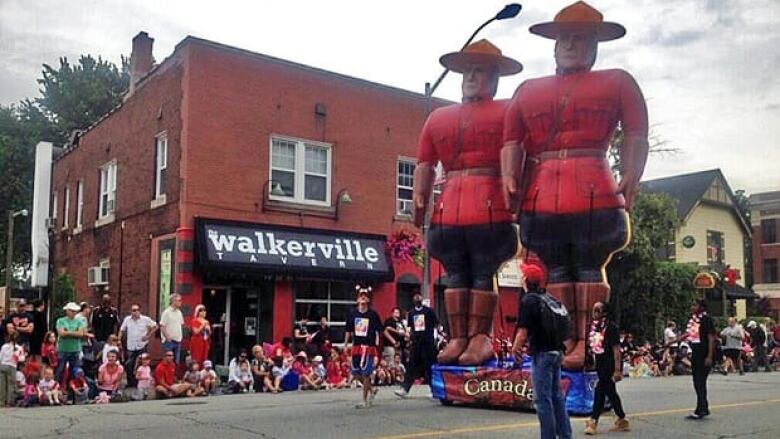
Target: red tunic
{"type": "Point", "coordinates": [467, 136]}
{"type": "Point", "coordinates": [597, 101]}
{"type": "Point", "coordinates": [199, 343]}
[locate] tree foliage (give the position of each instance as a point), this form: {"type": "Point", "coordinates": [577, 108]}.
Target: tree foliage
{"type": "Point", "coordinates": [647, 291]}
{"type": "Point", "coordinates": [62, 292]}
{"type": "Point", "coordinates": [72, 97]}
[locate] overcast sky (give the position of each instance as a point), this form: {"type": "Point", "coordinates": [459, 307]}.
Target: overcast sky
{"type": "Point", "coordinates": [708, 68]}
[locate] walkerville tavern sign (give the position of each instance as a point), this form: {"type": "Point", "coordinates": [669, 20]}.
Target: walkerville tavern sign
{"type": "Point", "coordinates": [290, 250]}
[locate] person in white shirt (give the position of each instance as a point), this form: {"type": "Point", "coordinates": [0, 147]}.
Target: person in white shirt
{"type": "Point", "coordinates": [670, 334]}
{"type": "Point", "coordinates": [137, 329]}
{"type": "Point", "coordinates": [171, 323]}
{"type": "Point", "coordinates": [10, 355]}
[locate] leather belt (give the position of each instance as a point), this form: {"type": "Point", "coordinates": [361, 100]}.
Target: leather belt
{"type": "Point", "coordinates": [483, 171]}
{"type": "Point", "coordinates": [563, 154]}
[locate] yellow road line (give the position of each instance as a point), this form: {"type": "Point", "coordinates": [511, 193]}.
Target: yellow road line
{"type": "Point", "coordinates": [497, 427]}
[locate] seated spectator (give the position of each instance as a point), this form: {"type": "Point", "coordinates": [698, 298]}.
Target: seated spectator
{"type": "Point", "coordinates": [234, 370]}
{"type": "Point", "coordinates": [165, 378]}
{"type": "Point", "coordinates": [78, 387]}
{"type": "Point", "coordinates": [112, 344]}
{"type": "Point", "coordinates": [21, 384]}
{"type": "Point", "coordinates": [279, 371]}
{"type": "Point", "coordinates": [193, 378]}
{"type": "Point", "coordinates": [49, 388]}
{"type": "Point", "coordinates": [49, 350]}
{"type": "Point", "coordinates": [31, 365]}
{"type": "Point", "coordinates": [208, 378]}
{"type": "Point", "coordinates": [282, 349]}
{"type": "Point", "coordinates": [143, 376]}
{"type": "Point", "coordinates": [305, 373]}
{"type": "Point", "coordinates": [32, 395]}
{"type": "Point", "coordinates": [397, 370]}
{"type": "Point", "coordinates": [110, 374]}
{"type": "Point", "coordinates": [335, 380]}
{"type": "Point", "coordinates": [242, 381]}
{"type": "Point", "coordinates": [382, 376]}
{"type": "Point", "coordinates": [319, 372]}
{"type": "Point", "coordinates": [682, 361]}
{"type": "Point", "coordinates": [261, 370]}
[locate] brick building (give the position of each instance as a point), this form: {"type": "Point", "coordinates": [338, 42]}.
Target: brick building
{"type": "Point", "coordinates": [765, 220]}
{"type": "Point", "coordinates": [262, 188]}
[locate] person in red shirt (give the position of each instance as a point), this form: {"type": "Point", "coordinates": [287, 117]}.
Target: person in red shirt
{"type": "Point", "coordinates": [471, 231]}
{"type": "Point", "coordinates": [556, 135]}
{"type": "Point", "coordinates": [165, 378]}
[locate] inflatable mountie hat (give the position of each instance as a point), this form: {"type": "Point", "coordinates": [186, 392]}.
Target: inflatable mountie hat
{"type": "Point", "coordinates": [481, 52]}
{"type": "Point", "coordinates": [363, 291]}
{"type": "Point", "coordinates": [579, 18]}
{"type": "Point", "coordinates": [532, 273]}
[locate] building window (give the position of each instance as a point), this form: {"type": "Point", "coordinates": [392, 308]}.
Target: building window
{"type": "Point", "coordinates": [317, 299]}
{"type": "Point", "coordinates": [405, 180]}
{"type": "Point", "coordinates": [300, 169]}
{"type": "Point", "coordinates": [768, 231]}
{"type": "Point", "coordinates": [161, 164]}
{"type": "Point", "coordinates": [717, 192]}
{"type": "Point", "coordinates": [107, 190]}
{"type": "Point", "coordinates": [66, 208]}
{"type": "Point", "coordinates": [769, 269]}
{"type": "Point", "coordinates": [165, 275]}
{"type": "Point", "coordinates": [54, 205]}
{"type": "Point", "coordinates": [79, 204]}
{"type": "Point", "coordinates": [715, 248]}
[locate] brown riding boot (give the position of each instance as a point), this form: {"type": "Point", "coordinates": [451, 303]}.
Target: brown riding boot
{"type": "Point", "coordinates": [481, 313]}
{"type": "Point", "coordinates": [587, 294]}
{"type": "Point", "coordinates": [456, 301]}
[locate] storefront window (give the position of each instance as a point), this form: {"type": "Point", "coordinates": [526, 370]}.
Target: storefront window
{"type": "Point", "coordinates": [165, 281]}
{"type": "Point", "coordinates": [333, 300]}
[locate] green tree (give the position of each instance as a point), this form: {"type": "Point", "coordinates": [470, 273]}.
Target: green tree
{"type": "Point", "coordinates": [743, 204]}
{"type": "Point", "coordinates": [62, 292]}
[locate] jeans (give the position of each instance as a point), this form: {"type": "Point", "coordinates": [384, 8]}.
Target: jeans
{"type": "Point", "coordinates": [73, 359]}
{"type": "Point", "coordinates": [549, 401]}
{"type": "Point", "coordinates": [175, 346]}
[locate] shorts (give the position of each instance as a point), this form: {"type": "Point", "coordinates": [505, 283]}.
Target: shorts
{"type": "Point", "coordinates": [366, 370]}
{"type": "Point", "coordinates": [732, 353]}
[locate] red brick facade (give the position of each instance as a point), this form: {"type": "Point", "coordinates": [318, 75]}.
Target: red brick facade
{"type": "Point", "coordinates": [765, 213]}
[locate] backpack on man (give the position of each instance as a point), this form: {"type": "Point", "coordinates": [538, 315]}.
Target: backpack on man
{"type": "Point", "coordinates": [554, 318]}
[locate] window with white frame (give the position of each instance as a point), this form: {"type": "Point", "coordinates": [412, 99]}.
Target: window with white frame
{"type": "Point", "coordinates": [79, 203]}
{"type": "Point", "coordinates": [300, 171]}
{"type": "Point", "coordinates": [107, 202]}
{"type": "Point", "coordinates": [317, 299]}
{"type": "Point", "coordinates": [404, 205]}
{"type": "Point", "coordinates": [54, 206]}
{"type": "Point", "coordinates": [66, 208]}
{"type": "Point", "coordinates": [161, 164]}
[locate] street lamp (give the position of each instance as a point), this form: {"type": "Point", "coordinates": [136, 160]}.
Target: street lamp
{"type": "Point", "coordinates": [9, 256]}
{"type": "Point", "coordinates": [510, 11]}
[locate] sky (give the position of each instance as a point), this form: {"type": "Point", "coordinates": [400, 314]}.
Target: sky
{"type": "Point", "coordinates": [708, 68]}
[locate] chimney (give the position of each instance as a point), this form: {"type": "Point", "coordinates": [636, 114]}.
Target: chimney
{"type": "Point", "coordinates": [140, 59]}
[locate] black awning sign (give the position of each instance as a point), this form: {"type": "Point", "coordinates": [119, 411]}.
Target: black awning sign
{"type": "Point", "coordinates": [284, 249]}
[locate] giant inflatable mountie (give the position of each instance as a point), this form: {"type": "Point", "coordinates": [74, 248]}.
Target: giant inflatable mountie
{"type": "Point", "coordinates": [503, 385]}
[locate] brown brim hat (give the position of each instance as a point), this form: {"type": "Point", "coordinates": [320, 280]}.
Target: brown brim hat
{"type": "Point", "coordinates": [481, 52]}
{"type": "Point", "coordinates": [579, 17]}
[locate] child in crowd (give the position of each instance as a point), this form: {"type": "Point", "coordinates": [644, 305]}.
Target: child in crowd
{"type": "Point", "coordinates": [193, 378]}
{"type": "Point", "coordinates": [31, 396]}
{"type": "Point", "coordinates": [335, 380]}
{"type": "Point", "coordinates": [310, 374]}
{"type": "Point", "coordinates": [21, 384]}
{"type": "Point", "coordinates": [382, 376]}
{"type": "Point", "coordinates": [49, 387]}
{"type": "Point", "coordinates": [143, 374]}
{"type": "Point", "coordinates": [208, 378]}
{"type": "Point", "coordinates": [318, 369]}
{"type": "Point", "coordinates": [279, 371]}
{"type": "Point", "coordinates": [9, 363]}
{"type": "Point", "coordinates": [245, 375]}
{"type": "Point", "coordinates": [78, 386]}
{"type": "Point", "coordinates": [49, 350]}
{"type": "Point", "coordinates": [112, 344]}
{"type": "Point", "coordinates": [397, 369]}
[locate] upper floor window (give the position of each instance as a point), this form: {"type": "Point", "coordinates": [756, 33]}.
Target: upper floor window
{"type": "Point", "coordinates": [768, 231]}
{"type": "Point", "coordinates": [79, 203]}
{"type": "Point", "coordinates": [300, 171]}
{"type": "Point", "coordinates": [769, 270]}
{"type": "Point", "coordinates": [54, 205]}
{"type": "Point", "coordinates": [161, 164]}
{"type": "Point", "coordinates": [717, 192]}
{"type": "Point", "coordinates": [66, 208]}
{"type": "Point", "coordinates": [404, 205]}
{"type": "Point", "coordinates": [715, 248]}
{"type": "Point", "coordinates": [107, 202]}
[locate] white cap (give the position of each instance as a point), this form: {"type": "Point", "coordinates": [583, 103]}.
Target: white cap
{"type": "Point", "coordinates": [72, 306]}
{"type": "Point", "coordinates": [318, 359]}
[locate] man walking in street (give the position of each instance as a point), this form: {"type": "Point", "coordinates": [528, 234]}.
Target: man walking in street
{"type": "Point", "coordinates": [363, 328]}
{"type": "Point", "coordinates": [395, 336]}
{"type": "Point", "coordinates": [171, 323]}
{"type": "Point", "coordinates": [136, 330]}
{"type": "Point", "coordinates": [421, 322]}
{"type": "Point", "coordinates": [732, 350]}
{"type": "Point", "coordinates": [758, 343]}
{"type": "Point", "coordinates": [105, 320]}
{"type": "Point", "coordinates": [546, 353]}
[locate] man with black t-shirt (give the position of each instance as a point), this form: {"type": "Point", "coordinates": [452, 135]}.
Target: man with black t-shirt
{"type": "Point", "coordinates": [546, 358]}
{"type": "Point", "coordinates": [700, 334]}
{"type": "Point", "coordinates": [105, 320]}
{"type": "Point", "coordinates": [604, 346]}
{"type": "Point", "coordinates": [394, 337]}
{"type": "Point", "coordinates": [22, 323]}
{"type": "Point", "coordinates": [363, 328]}
{"type": "Point", "coordinates": [421, 321]}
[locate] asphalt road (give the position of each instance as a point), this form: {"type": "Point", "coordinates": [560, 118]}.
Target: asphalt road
{"type": "Point", "coordinates": [742, 406]}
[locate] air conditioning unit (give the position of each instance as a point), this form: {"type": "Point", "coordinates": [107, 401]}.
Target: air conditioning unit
{"type": "Point", "coordinates": [97, 276]}
{"type": "Point", "coordinates": [110, 206]}
{"type": "Point", "coordinates": [51, 223]}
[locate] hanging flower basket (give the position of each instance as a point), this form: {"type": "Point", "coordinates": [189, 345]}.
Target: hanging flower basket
{"type": "Point", "coordinates": [405, 245]}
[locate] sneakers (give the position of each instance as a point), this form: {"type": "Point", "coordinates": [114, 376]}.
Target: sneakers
{"type": "Point", "coordinates": [401, 393]}
{"type": "Point", "coordinates": [371, 396]}
{"type": "Point", "coordinates": [695, 416]}
{"type": "Point", "coordinates": [590, 427]}
{"type": "Point", "coordinates": [621, 425]}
